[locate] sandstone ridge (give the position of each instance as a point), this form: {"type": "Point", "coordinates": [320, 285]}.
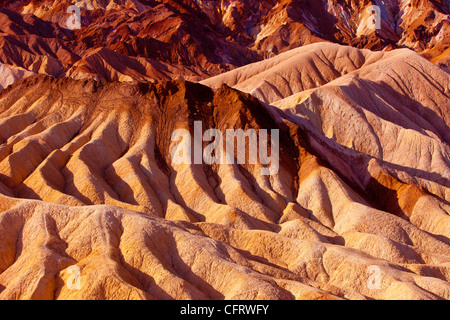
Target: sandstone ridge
{"type": "Point", "coordinates": [99, 191]}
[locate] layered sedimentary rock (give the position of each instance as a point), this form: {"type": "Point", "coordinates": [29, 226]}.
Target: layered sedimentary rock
{"type": "Point", "coordinates": [87, 181]}
{"type": "Point", "coordinates": [170, 39]}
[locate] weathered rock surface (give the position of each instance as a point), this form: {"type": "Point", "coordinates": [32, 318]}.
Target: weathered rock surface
{"type": "Point", "coordinates": [170, 39]}
{"type": "Point", "coordinates": [392, 106]}
{"type": "Point", "coordinates": [359, 208]}
{"type": "Point", "coordinates": [86, 180]}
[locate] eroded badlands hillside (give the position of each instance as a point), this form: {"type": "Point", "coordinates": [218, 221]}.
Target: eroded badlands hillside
{"type": "Point", "coordinates": [148, 40]}
{"type": "Point", "coordinates": [86, 180]}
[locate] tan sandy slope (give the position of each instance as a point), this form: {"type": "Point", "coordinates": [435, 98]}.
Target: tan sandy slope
{"type": "Point", "coordinates": [86, 180]}
{"type": "Point", "coordinates": [172, 39]}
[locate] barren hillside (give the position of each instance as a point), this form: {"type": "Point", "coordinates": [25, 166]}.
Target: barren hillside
{"type": "Point", "coordinates": [355, 119]}
{"type": "Point", "coordinates": [86, 180]}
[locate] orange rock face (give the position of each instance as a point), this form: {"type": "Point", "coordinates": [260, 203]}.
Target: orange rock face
{"type": "Point", "coordinates": [170, 39]}
{"type": "Point", "coordinates": [87, 181]}
{"type": "Point", "coordinates": [92, 205]}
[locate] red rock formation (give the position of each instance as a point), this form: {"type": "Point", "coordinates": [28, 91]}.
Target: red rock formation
{"type": "Point", "coordinates": [88, 185]}
{"type": "Point", "coordinates": [203, 38]}
{"type": "Point", "coordinates": [98, 189]}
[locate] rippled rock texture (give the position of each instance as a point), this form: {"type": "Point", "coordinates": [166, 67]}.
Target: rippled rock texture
{"type": "Point", "coordinates": [93, 207]}
{"type": "Point", "coordinates": [86, 180]}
